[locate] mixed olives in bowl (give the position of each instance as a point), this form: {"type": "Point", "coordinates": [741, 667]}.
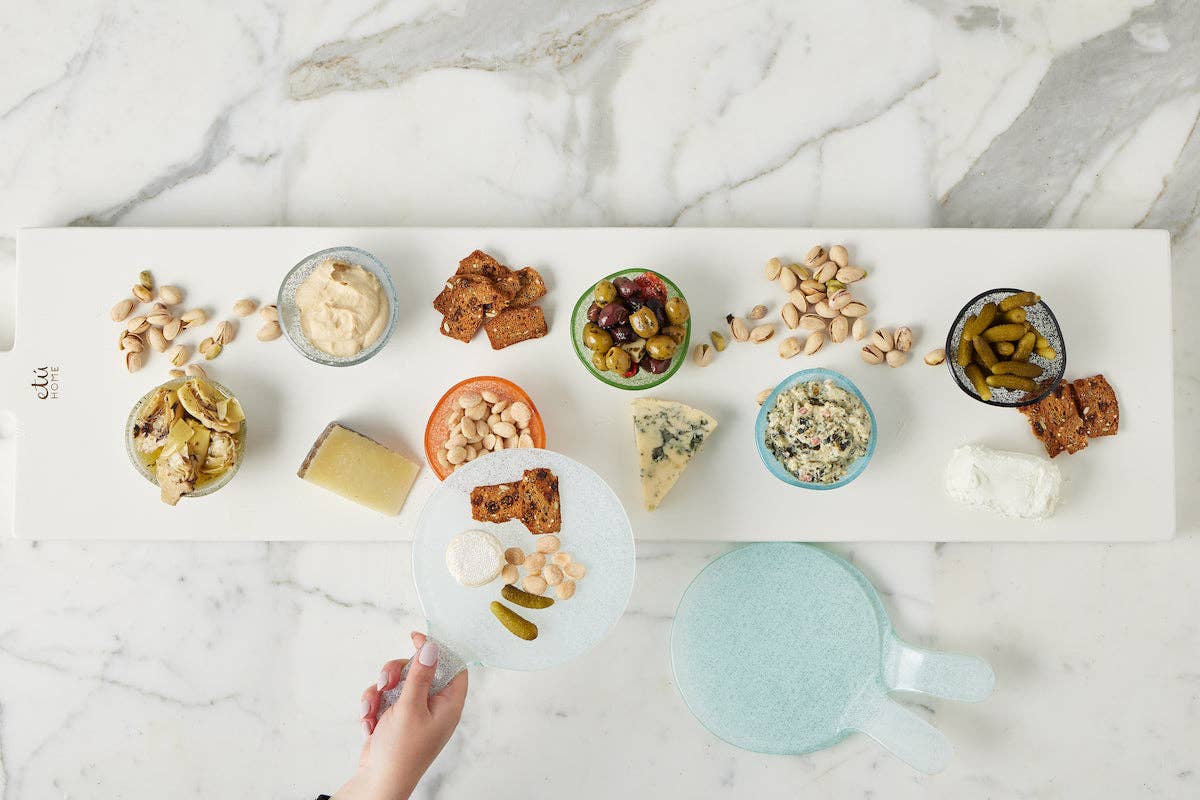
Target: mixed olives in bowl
{"type": "Point", "coordinates": [631, 329]}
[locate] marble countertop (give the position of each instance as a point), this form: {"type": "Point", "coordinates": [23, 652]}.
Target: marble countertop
{"type": "Point", "coordinates": [180, 670]}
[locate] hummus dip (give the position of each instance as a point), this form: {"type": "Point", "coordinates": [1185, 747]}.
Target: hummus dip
{"type": "Point", "coordinates": [343, 308]}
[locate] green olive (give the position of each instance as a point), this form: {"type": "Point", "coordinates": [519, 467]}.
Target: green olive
{"type": "Point", "coordinates": [678, 311]}
{"type": "Point", "coordinates": [596, 338]}
{"type": "Point", "coordinates": [599, 360]}
{"type": "Point", "coordinates": [676, 332]}
{"type": "Point", "coordinates": [604, 293]}
{"type": "Point", "coordinates": [661, 347]}
{"type": "Point", "coordinates": [618, 360]}
{"type": "Point", "coordinates": [644, 323]}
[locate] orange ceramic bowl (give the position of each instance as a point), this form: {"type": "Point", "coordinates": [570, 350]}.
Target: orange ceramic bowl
{"type": "Point", "coordinates": [437, 430]}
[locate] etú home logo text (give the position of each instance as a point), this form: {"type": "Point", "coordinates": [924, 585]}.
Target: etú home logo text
{"type": "Point", "coordinates": [45, 383]}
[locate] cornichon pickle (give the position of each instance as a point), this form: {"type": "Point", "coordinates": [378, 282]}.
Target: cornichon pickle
{"type": "Point", "coordinates": [1011, 382]}
{"type": "Point", "coordinates": [523, 598]}
{"type": "Point", "coordinates": [1048, 353]}
{"type": "Point", "coordinates": [975, 375]}
{"type": "Point", "coordinates": [1015, 315]}
{"type": "Point", "coordinates": [1005, 349]}
{"type": "Point", "coordinates": [1019, 299]}
{"type": "Point", "coordinates": [1008, 332]}
{"type": "Point", "coordinates": [516, 624]}
{"type": "Point", "coordinates": [1022, 368]}
{"type": "Point", "coordinates": [1025, 347]}
{"type": "Point", "coordinates": [1040, 341]}
{"type": "Point", "coordinates": [984, 351]}
{"type": "Point", "coordinates": [964, 351]}
{"type": "Point", "coordinates": [980, 322]}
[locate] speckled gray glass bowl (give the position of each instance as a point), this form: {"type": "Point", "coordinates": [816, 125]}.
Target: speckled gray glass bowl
{"type": "Point", "coordinates": [139, 463]}
{"type": "Point", "coordinates": [289, 314]}
{"type": "Point", "coordinates": [1043, 319]}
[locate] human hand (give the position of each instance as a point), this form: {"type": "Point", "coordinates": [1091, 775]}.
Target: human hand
{"type": "Point", "coordinates": [403, 741]}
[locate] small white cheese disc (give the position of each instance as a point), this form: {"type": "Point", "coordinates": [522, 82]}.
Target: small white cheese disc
{"type": "Point", "coordinates": [474, 558]}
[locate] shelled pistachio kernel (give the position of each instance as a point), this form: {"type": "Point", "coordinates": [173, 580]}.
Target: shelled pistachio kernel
{"type": "Point", "coordinates": [718, 340]}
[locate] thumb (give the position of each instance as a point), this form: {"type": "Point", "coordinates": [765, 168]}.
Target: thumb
{"type": "Point", "coordinates": [420, 676]}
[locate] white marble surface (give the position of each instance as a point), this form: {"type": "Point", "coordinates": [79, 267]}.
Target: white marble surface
{"type": "Point", "coordinates": [234, 670]}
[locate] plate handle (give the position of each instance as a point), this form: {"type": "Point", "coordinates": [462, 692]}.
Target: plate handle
{"type": "Point", "coordinates": [949, 675]}
{"type": "Point", "coordinates": [901, 732]}
{"type": "Point", "coordinates": [449, 664]}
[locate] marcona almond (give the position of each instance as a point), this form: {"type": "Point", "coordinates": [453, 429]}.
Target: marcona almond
{"type": "Point", "coordinates": [850, 274]}
{"type": "Point", "coordinates": [194, 317]}
{"type": "Point", "coordinates": [839, 329]}
{"type": "Point", "coordinates": [758, 312]}
{"type": "Point", "coordinates": [269, 313]}
{"type": "Point", "coordinates": [855, 309]}
{"type": "Point", "coordinates": [872, 354]}
{"type": "Point", "coordinates": [935, 357]}
{"type": "Point", "coordinates": [838, 255]}
{"type": "Point", "coordinates": [789, 347]}
{"type": "Point", "coordinates": [826, 272]}
{"type": "Point", "coordinates": [896, 357]}
{"type": "Point", "coordinates": [269, 332]}
{"type": "Point", "coordinates": [156, 339]}
{"type": "Point", "coordinates": [575, 570]}
{"type": "Point", "coordinates": [762, 333]}
{"type": "Point", "coordinates": [552, 574]}
{"type": "Point", "coordinates": [561, 558]}
{"type": "Point", "coordinates": [840, 299]}
{"type": "Point", "coordinates": [815, 257]}
{"type": "Point", "coordinates": [860, 329]}
{"type": "Point", "coordinates": [245, 307]}
{"type": "Point", "coordinates": [547, 544]}
{"type": "Point", "coordinates": [224, 332]}
{"type": "Point", "coordinates": [195, 371]}
{"type": "Point", "coordinates": [796, 298]}
{"type": "Point", "coordinates": [142, 293]}
{"type": "Point", "coordinates": [509, 574]}
{"type": "Point", "coordinates": [121, 311]}
{"type": "Point", "coordinates": [134, 361]}
{"type": "Point", "coordinates": [172, 329]}
{"type": "Point", "coordinates": [764, 394]}
{"type": "Point", "coordinates": [738, 328]}
{"type": "Point", "coordinates": [170, 295]}
{"type": "Point", "coordinates": [534, 584]}
{"type": "Point", "coordinates": [812, 322]}
{"type": "Point", "coordinates": [137, 324]}
{"type": "Point", "coordinates": [791, 316]}
{"type": "Point", "coordinates": [904, 338]}
{"type": "Point", "coordinates": [813, 343]}
{"type": "Point", "coordinates": [703, 355]}
{"type": "Point", "coordinates": [565, 590]}
{"type": "Point", "coordinates": [883, 340]}
{"type": "Point", "coordinates": [178, 355]}
{"type": "Point", "coordinates": [773, 268]}
{"type": "Point", "coordinates": [822, 308]}
{"type": "Point", "coordinates": [788, 280]}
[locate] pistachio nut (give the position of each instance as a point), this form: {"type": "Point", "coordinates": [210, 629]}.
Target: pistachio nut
{"type": "Point", "coordinates": [244, 307]}
{"type": "Point", "coordinates": [121, 311]}
{"type": "Point", "coordinates": [904, 338]}
{"type": "Point", "coordinates": [851, 274]}
{"type": "Point", "coordinates": [882, 339]}
{"type": "Point", "coordinates": [812, 322]}
{"type": "Point", "coordinates": [860, 329]}
{"type": "Point", "coordinates": [815, 257]}
{"type": "Point", "coordinates": [269, 332]}
{"type": "Point", "coordinates": [789, 347]}
{"type": "Point", "coordinates": [764, 394]}
{"type": "Point", "coordinates": [840, 299]}
{"type": "Point", "coordinates": [839, 329]}
{"type": "Point", "coordinates": [822, 308]}
{"type": "Point", "coordinates": [935, 357]}
{"type": "Point", "coordinates": [813, 343]}
{"type": "Point", "coordinates": [796, 298]}
{"type": "Point", "coordinates": [170, 295]}
{"type": "Point", "coordinates": [737, 327]}
{"type": "Point", "coordinates": [838, 255]}
{"type": "Point", "coordinates": [762, 333]}
{"type": "Point", "coordinates": [788, 280]}
{"type": "Point", "coordinates": [855, 309]}
{"type": "Point", "coordinates": [772, 269]}
{"type": "Point", "coordinates": [896, 357]}
{"type": "Point", "coordinates": [758, 312]}
{"type": "Point", "coordinates": [718, 341]}
{"type": "Point", "coordinates": [826, 272]}
{"type": "Point", "coordinates": [872, 354]}
{"type": "Point", "coordinates": [791, 316]}
{"type": "Point", "coordinates": [703, 355]}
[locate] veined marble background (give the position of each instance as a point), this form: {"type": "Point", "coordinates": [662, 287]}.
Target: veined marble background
{"type": "Point", "coordinates": [175, 670]}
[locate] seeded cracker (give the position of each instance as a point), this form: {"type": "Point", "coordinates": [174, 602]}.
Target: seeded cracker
{"type": "Point", "coordinates": [1097, 405]}
{"type": "Point", "coordinates": [1056, 422]}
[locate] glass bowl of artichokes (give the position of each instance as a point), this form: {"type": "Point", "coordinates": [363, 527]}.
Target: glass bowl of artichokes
{"type": "Point", "coordinates": [187, 436]}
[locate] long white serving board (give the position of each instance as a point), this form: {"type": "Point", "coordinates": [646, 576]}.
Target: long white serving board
{"type": "Point", "coordinates": [73, 480]}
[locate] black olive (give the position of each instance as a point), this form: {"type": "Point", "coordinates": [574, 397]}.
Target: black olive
{"type": "Point", "coordinates": [656, 366]}
{"type": "Point", "coordinates": [593, 312]}
{"type": "Point", "coordinates": [625, 287]}
{"type": "Point", "coordinates": [612, 315]}
{"type": "Point", "coordinates": [659, 309]}
{"type": "Point", "coordinates": [623, 334]}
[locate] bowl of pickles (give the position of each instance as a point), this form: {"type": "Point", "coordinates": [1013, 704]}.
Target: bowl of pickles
{"type": "Point", "coordinates": [1006, 348]}
{"type": "Point", "coordinates": [631, 329]}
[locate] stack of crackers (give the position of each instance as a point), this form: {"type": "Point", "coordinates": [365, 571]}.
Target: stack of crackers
{"type": "Point", "coordinates": [484, 293]}
{"type": "Point", "coordinates": [1073, 413]}
{"type": "Point", "coordinates": [533, 500]}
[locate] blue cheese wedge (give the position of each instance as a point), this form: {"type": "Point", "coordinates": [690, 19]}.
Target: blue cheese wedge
{"type": "Point", "coordinates": [1009, 484]}
{"type": "Point", "coordinates": [668, 435]}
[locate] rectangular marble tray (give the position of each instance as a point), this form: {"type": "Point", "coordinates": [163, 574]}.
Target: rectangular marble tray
{"type": "Point", "coordinates": [73, 480]}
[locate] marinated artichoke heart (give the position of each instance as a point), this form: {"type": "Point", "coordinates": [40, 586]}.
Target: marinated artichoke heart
{"type": "Point", "coordinates": [159, 413]}
{"type": "Point", "coordinates": [211, 406]}
{"type": "Point", "coordinates": [220, 454]}
{"type": "Point", "coordinates": [177, 467]}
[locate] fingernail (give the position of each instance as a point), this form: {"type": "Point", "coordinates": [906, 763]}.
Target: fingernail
{"type": "Point", "coordinates": [429, 654]}
{"type": "Point", "coordinates": [383, 680]}
{"type": "Point", "coordinates": [366, 708]}
{"type": "Point", "coordinates": [366, 726]}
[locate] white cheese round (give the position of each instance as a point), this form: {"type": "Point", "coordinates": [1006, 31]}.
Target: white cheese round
{"type": "Point", "coordinates": [474, 558]}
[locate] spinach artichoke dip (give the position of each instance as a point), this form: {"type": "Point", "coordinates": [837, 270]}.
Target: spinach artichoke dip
{"type": "Point", "coordinates": [817, 430]}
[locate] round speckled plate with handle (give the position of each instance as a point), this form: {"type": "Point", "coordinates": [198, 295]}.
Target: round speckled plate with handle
{"type": "Point", "coordinates": [786, 648]}
{"type": "Point", "coordinates": [595, 531]}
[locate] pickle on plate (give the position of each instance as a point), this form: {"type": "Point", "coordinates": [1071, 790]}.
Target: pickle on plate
{"type": "Point", "coordinates": [1007, 332]}
{"type": "Point", "coordinates": [986, 355]}
{"type": "Point", "coordinates": [527, 599]}
{"type": "Point", "coordinates": [1022, 368]}
{"type": "Point", "coordinates": [1019, 299]}
{"type": "Point", "coordinates": [517, 625]}
{"type": "Point", "coordinates": [975, 375]}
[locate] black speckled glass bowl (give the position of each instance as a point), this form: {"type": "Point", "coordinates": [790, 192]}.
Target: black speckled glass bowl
{"type": "Point", "coordinates": [289, 313]}
{"type": "Point", "coordinates": [1043, 319]}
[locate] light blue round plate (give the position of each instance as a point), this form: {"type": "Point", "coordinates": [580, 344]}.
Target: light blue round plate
{"type": "Point", "coordinates": [786, 648]}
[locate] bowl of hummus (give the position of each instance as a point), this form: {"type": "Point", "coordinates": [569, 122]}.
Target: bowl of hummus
{"type": "Point", "coordinates": [338, 306]}
{"type": "Point", "coordinates": [816, 430]}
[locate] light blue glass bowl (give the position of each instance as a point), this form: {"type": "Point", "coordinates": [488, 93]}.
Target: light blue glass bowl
{"type": "Point", "coordinates": [760, 428]}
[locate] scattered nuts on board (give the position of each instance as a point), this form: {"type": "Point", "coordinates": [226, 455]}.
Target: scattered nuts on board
{"type": "Point", "coordinates": [245, 307]}
{"type": "Point", "coordinates": [137, 324]}
{"type": "Point", "coordinates": [789, 347]}
{"type": "Point", "coordinates": [560, 558]}
{"type": "Point", "coordinates": [758, 312]}
{"type": "Point", "coordinates": [896, 357]}
{"type": "Point", "coordinates": [142, 293]}
{"type": "Point", "coordinates": [269, 313]}
{"type": "Point", "coordinates": [788, 280]}
{"type": "Point", "coordinates": [547, 544]}
{"type": "Point", "coordinates": [762, 333]}
{"type": "Point", "coordinates": [224, 332]}
{"type": "Point", "coordinates": [178, 355]}
{"type": "Point", "coordinates": [134, 360]}
{"type": "Point", "coordinates": [764, 394]}
{"type": "Point", "coordinates": [191, 319]}
{"type": "Point", "coordinates": [815, 257]}
{"type": "Point", "coordinates": [156, 339]}
{"type": "Point", "coordinates": [514, 556]}
{"type": "Point", "coordinates": [791, 315]}
{"type": "Point", "coordinates": [773, 268]}
{"type": "Point", "coordinates": [552, 574]}
{"type": "Point", "coordinates": [172, 329]}
{"type": "Point", "coordinates": [883, 340]}
{"type": "Point", "coordinates": [509, 574]}
{"type": "Point", "coordinates": [860, 329]}
{"type": "Point", "coordinates": [904, 338]}
{"type": "Point", "coordinates": [176, 374]}
{"type": "Point", "coordinates": [565, 590]}
{"type": "Point", "coordinates": [737, 327]}
{"type": "Point", "coordinates": [838, 255]}
{"type": "Point", "coordinates": [812, 322]}
{"type": "Point", "coordinates": [839, 329]}
{"type": "Point", "coordinates": [170, 295]}
{"type": "Point", "coordinates": [269, 332]}
{"type": "Point", "coordinates": [813, 343]}
{"type": "Point", "coordinates": [195, 371]}
{"type": "Point", "coordinates": [703, 355]}
{"type": "Point", "coordinates": [121, 311]}
{"type": "Point", "coordinates": [534, 584]}
{"type": "Point", "coordinates": [718, 340]}
{"type": "Point", "coordinates": [872, 354]}
{"type": "Point", "coordinates": [209, 349]}
{"type": "Point", "coordinates": [935, 357]}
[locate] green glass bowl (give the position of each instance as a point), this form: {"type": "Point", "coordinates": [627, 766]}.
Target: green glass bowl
{"type": "Point", "coordinates": [643, 379]}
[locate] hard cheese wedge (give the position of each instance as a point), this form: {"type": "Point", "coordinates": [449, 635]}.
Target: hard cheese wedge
{"type": "Point", "coordinates": [669, 435]}
{"type": "Point", "coordinates": [359, 469]}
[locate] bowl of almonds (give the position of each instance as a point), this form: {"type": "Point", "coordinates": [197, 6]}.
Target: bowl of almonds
{"type": "Point", "coordinates": [478, 416]}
